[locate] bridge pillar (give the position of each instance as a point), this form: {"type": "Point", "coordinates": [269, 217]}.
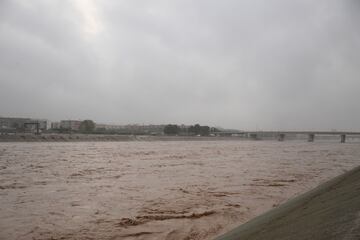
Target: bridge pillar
{"type": "Point", "coordinates": [311, 137]}
{"type": "Point", "coordinates": [281, 137]}
{"type": "Point", "coordinates": [342, 138]}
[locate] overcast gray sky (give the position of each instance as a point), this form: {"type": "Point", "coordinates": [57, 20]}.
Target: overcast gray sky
{"type": "Point", "coordinates": [269, 64]}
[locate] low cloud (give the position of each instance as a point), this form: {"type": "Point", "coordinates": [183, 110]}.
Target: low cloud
{"type": "Point", "coordinates": [237, 64]}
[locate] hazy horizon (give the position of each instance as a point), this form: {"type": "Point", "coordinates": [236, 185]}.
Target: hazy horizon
{"type": "Point", "coordinates": [279, 65]}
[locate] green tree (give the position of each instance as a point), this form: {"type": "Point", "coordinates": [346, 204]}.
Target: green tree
{"type": "Point", "coordinates": [171, 129]}
{"type": "Point", "coordinates": [204, 130]}
{"type": "Point", "coordinates": [87, 126]}
{"type": "Point", "coordinates": [213, 129]}
{"type": "Point", "coordinates": [191, 130]}
{"type": "Point", "coordinates": [197, 129]}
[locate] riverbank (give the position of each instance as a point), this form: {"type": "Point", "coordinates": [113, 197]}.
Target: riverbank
{"type": "Point", "coordinates": [330, 211]}
{"type": "Point", "coordinates": [103, 137]}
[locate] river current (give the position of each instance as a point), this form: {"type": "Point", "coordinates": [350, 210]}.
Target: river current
{"type": "Point", "coordinates": [155, 190]}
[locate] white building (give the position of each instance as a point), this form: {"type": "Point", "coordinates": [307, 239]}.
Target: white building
{"type": "Point", "coordinates": [70, 124]}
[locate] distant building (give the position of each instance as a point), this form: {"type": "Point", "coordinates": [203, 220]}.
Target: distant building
{"type": "Point", "coordinates": [70, 124]}
{"type": "Point", "coordinates": [43, 123]}
{"type": "Point", "coordinates": [55, 125]}
{"type": "Point", "coordinates": [13, 123]}
{"type": "Point", "coordinates": [22, 124]}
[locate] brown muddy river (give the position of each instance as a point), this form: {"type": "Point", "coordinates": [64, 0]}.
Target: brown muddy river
{"type": "Point", "coordinates": [155, 190]}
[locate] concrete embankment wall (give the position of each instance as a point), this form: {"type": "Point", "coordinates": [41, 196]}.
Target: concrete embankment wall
{"type": "Point", "coordinates": [329, 212]}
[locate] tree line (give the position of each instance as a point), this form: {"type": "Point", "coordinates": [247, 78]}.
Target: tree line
{"type": "Point", "coordinates": [197, 129]}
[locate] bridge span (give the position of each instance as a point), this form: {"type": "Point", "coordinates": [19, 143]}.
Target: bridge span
{"type": "Point", "coordinates": [280, 135]}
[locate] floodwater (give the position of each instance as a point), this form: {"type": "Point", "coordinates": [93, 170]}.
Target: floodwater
{"type": "Point", "coordinates": [155, 190]}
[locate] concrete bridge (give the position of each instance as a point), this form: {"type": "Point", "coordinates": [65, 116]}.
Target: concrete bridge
{"type": "Point", "coordinates": [280, 135]}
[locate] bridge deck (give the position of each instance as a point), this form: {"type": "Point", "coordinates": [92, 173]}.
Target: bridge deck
{"type": "Point", "coordinates": [293, 132]}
